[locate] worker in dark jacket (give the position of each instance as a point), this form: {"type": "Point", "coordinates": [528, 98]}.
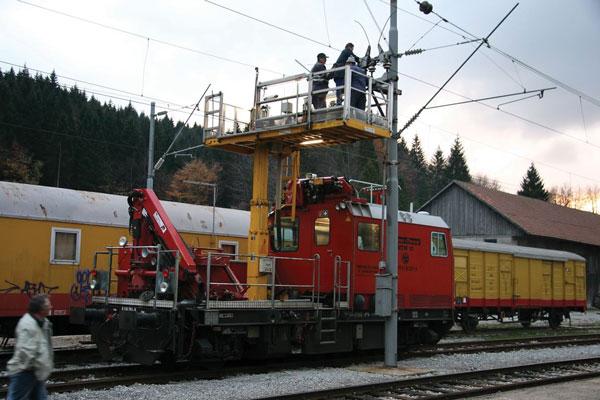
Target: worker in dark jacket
{"type": "Point", "coordinates": [358, 83]}
{"type": "Point", "coordinates": [338, 76]}
{"type": "Point", "coordinates": [320, 81]}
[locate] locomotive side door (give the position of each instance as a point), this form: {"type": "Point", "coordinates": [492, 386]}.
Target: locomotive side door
{"type": "Point", "coordinates": [367, 244]}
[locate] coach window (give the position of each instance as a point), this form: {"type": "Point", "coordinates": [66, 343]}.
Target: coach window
{"type": "Point", "coordinates": [288, 234]}
{"type": "Point", "coordinates": [438, 244]}
{"type": "Point", "coordinates": [64, 246]}
{"type": "Point", "coordinates": [367, 236]}
{"type": "Point", "coordinates": [322, 231]}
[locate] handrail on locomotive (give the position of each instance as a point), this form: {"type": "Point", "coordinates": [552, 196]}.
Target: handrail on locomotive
{"type": "Point", "coordinates": [104, 281]}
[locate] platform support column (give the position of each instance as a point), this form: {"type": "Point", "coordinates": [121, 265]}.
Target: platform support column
{"type": "Point", "coordinates": [258, 235]}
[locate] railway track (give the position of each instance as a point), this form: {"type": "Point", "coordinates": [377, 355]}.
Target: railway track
{"type": "Point", "coordinates": [462, 385]}
{"type": "Point", "coordinates": [63, 356]}
{"type": "Point", "coordinates": [102, 377]}
{"type": "Point", "coordinates": [504, 345]}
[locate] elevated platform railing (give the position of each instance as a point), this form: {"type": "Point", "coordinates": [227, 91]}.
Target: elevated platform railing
{"type": "Point", "coordinates": [286, 105]}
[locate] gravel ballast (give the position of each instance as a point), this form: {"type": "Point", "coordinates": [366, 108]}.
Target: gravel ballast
{"type": "Point", "coordinates": [293, 381]}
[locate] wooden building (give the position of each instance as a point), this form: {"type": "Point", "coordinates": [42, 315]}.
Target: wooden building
{"type": "Point", "coordinates": [478, 213]}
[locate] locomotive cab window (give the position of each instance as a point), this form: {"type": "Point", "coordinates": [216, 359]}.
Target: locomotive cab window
{"type": "Point", "coordinates": [438, 244]}
{"type": "Point", "coordinates": [288, 233]}
{"type": "Point", "coordinates": [64, 246]}
{"type": "Point", "coordinates": [322, 231]}
{"type": "Point", "coordinates": [367, 236]}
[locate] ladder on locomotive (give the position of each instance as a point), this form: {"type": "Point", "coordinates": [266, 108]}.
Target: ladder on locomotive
{"type": "Point", "coordinates": [285, 193]}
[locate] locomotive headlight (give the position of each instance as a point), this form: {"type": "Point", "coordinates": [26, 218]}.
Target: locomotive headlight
{"type": "Point", "coordinates": [93, 280]}
{"type": "Point", "coordinates": [340, 206]}
{"type": "Point", "coordinates": [163, 287]}
{"type": "Point", "coordinates": [122, 241]}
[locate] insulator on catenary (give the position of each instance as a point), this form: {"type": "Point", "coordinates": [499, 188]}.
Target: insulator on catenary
{"type": "Point", "coordinates": [413, 52]}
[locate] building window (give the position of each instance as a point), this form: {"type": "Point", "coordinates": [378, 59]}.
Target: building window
{"type": "Point", "coordinates": [64, 246]}
{"type": "Point", "coordinates": [438, 244]}
{"type": "Point", "coordinates": [229, 247]}
{"type": "Point", "coordinates": [367, 236]}
{"type": "Point", "coordinates": [287, 234]}
{"type": "Point", "coordinates": [321, 231]}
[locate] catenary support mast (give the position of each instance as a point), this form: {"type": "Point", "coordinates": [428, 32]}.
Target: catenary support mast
{"type": "Point", "coordinates": [391, 237]}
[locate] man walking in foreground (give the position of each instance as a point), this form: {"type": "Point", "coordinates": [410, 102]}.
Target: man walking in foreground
{"type": "Point", "coordinates": [32, 362]}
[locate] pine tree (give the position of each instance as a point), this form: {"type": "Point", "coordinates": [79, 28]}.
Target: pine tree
{"type": "Point", "coordinates": [532, 185]}
{"type": "Point", "coordinates": [421, 177]}
{"type": "Point", "coordinates": [437, 168]}
{"type": "Point", "coordinates": [457, 167]}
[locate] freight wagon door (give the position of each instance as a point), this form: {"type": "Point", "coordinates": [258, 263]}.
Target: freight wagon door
{"type": "Point", "coordinates": [506, 280]}
{"type": "Point", "coordinates": [558, 283]}
{"type": "Point", "coordinates": [570, 282]}
{"type": "Point", "coordinates": [580, 281]}
{"type": "Point", "coordinates": [460, 276]}
{"type": "Point", "coordinates": [547, 280]}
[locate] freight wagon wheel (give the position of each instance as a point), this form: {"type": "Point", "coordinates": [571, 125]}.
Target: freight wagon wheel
{"type": "Point", "coordinates": [554, 320]}
{"type": "Point", "coordinates": [469, 324]}
{"type": "Point", "coordinates": [525, 319]}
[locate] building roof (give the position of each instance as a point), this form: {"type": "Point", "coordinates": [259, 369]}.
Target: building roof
{"type": "Point", "coordinates": [517, 251]}
{"type": "Point", "coordinates": [537, 217]}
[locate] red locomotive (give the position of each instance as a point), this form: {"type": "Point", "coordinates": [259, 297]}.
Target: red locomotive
{"type": "Point", "coordinates": [174, 302]}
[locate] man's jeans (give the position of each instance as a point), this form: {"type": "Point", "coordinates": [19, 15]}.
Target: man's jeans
{"type": "Point", "coordinates": [339, 92]}
{"type": "Point", "coordinates": [24, 386]}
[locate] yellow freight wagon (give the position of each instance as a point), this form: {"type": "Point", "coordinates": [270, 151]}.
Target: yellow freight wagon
{"type": "Point", "coordinates": [50, 235]}
{"type": "Point", "coordinates": [497, 281]}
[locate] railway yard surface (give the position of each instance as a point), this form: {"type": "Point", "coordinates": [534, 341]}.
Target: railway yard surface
{"type": "Point", "coordinates": [282, 382]}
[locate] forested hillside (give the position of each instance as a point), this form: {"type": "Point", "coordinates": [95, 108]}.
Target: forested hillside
{"type": "Point", "coordinates": [53, 136]}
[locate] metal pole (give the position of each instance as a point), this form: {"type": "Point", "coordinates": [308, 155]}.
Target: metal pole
{"type": "Point", "coordinates": [150, 179]}
{"type": "Point", "coordinates": [391, 238]}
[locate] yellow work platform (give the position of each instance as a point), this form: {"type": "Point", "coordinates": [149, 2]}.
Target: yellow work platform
{"type": "Point", "coordinates": [320, 134]}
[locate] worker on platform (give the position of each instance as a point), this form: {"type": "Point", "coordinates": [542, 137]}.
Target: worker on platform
{"type": "Point", "coordinates": [338, 76]}
{"type": "Point", "coordinates": [358, 84]}
{"type": "Point", "coordinates": [320, 81]}
{"type": "Point", "coordinates": [33, 359]}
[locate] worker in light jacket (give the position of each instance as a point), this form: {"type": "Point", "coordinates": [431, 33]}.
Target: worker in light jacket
{"type": "Point", "coordinates": [358, 84]}
{"type": "Point", "coordinates": [33, 359]}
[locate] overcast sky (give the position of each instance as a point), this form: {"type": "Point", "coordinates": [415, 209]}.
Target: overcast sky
{"type": "Point", "coordinates": [170, 51]}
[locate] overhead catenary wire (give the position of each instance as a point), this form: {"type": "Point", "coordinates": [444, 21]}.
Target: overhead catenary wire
{"type": "Point", "coordinates": [454, 74]}
{"type": "Point", "coordinates": [149, 38]}
{"type": "Point", "coordinates": [270, 24]}
{"type": "Point", "coordinates": [416, 79]}
{"type": "Point", "coordinates": [326, 24]}
{"type": "Point", "coordinates": [504, 151]}
{"type": "Point", "coordinates": [76, 81]}
{"type": "Point", "coordinates": [513, 59]}
{"type": "Point", "coordinates": [538, 91]}
{"type": "Point", "coordinates": [509, 113]}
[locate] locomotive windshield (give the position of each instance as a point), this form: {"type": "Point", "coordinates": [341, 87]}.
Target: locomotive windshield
{"type": "Point", "coordinates": [368, 236]}
{"type": "Point", "coordinates": [289, 236]}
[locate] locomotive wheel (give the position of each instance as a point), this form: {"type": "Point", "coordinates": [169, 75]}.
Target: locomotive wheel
{"type": "Point", "coordinates": [469, 324]}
